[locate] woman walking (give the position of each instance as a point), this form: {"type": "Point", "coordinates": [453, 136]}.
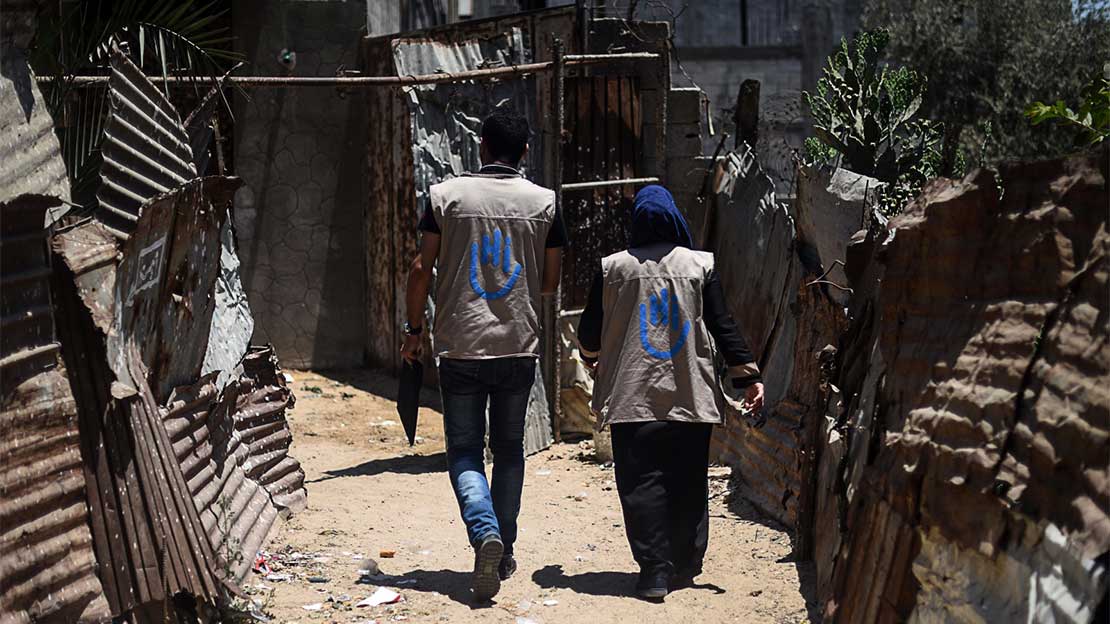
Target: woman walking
{"type": "Point", "coordinates": [654, 320]}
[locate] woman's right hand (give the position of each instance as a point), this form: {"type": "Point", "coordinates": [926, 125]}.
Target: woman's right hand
{"type": "Point", "coordinates": [753, 397]}
{"type": "Point", "coordinates": [591, 366]}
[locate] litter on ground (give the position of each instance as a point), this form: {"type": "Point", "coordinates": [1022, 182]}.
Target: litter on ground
{"type": "Point", "coordinates": [383, 596]}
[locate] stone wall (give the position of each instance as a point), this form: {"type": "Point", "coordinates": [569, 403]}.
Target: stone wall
{"type": "Point", "coordinates": [299, 215]}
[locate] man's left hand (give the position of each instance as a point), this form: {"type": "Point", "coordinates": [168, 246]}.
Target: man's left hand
{"type": "Point", "coordinates": [413, 348]}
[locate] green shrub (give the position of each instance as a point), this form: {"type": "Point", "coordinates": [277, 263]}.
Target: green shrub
{"type": "Point", "coordinates": [865, 120]}
{"type": "Point", "coordinates": [1091, 121]}
{"type": "Point", "coordinates": [988, 59]}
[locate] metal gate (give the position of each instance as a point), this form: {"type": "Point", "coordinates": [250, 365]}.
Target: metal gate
{"type": "Point", "coordinates": [602, 139]}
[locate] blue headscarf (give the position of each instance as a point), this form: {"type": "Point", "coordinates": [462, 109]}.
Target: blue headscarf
{"type": "Point", "coordinates": [655, 219]}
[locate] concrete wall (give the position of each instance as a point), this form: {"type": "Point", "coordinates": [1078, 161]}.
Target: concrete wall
{"type": "Point", "coordinates": [300, 151]}
{"type": "Point", "coordinates": [779, 72]}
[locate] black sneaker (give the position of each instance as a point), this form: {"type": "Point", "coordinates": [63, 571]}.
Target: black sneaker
{"type": "Point", "coordinates": [652, 586]}
{"type": "Point", "coordinates": [487, 558]}
{"type": "Point", "coordinates": [507, 567]}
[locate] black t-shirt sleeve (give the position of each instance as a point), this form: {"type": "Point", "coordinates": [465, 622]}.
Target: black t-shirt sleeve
{"type": "Point", "coordinates": [589, 326]}
{"type": "Point", "coordinates": [428, 221]}
{"type": "Point", "coordinates": [557, 236]}
{"type": "Point", "coordinates": [742, 365]}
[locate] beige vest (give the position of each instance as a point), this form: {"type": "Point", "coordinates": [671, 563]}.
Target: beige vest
{"type": "Point", "coordinates": [491, 255]}
{"type": "Point", "coordinates": [656, 359]}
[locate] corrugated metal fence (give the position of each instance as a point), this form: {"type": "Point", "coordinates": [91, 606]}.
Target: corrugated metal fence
{"type": "Point", "coordinates": [148, 479]}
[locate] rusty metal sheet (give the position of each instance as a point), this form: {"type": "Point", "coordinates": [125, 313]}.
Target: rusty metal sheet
{"type": "Point", "coordinates": [199, 129]}
{"type": "Point", "coordinates": [232, 323]}
{"type": "Point", "coordinates": [90, 252]}
{"type": "Point", "coordinates": [148, 536]}
{"type": "Point", "coordinates": [989, 422]}
{"type": "Point", "coordinates": [830, 207]}
{"type": "Point", "coordinates": [165, 285]}
{"type": "Point", "coordinates": [261, 404]}
{"type": "Point", "coordinates": [137, 312]}
{"type": "Point", "coordinates": [47, 565]}
{"type": "Point", "coordinates": [391, 207]}
{"type": "Point", "coordinates": [446, 118]}
{"type": "Point", "coordinates": [146, 150]}
{"type": "Point", "coordinates": [32, 162]}
{"type": "Point", "coordinates": [233, 451]}
{"type": "Point", "coordinates": [787, 322]}
{"type": "Point", "coordinates": [445, 123]}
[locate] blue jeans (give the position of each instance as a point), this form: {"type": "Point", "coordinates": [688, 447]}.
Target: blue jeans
{"type": "Point", "coordinates": [466, 387]}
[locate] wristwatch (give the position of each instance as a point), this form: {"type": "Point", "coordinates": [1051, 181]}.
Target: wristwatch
{"type": "Point", "coordinates": [409, 330]}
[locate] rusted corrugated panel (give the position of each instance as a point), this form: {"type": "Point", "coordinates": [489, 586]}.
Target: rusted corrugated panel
{"type": "Point", "coordinates": [234, 452]}
{"type": "Point", "coordinates": [260, 407]}
{"type": "Point", "coordinates": [148, 536]}
{"type": "Point", "coordinates": [879, 587]}
{"type": "Point", "coordinates": [165, 284]}
{"type": "Point", "coordinates": [990, 421]}
{"type": "Point", "coordinates": [32, 160]}
{"type": "Point", "coordinates": [47, 566]}
{"type": "Point", "coordinates": [146, 150]}
{"type": "Point", "coordinates": [90, 253]}
{"type": "Point", "coordinates": [787, 323]}
{"type": "Point", "coordinates": [830, 207]}
{"type": "Point", "coordinates": [151, 531]}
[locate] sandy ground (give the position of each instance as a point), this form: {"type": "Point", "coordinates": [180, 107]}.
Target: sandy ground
{"type": "Point", "coordinates": [369, 492]}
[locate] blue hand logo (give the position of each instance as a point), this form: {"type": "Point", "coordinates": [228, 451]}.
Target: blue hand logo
{"type": "Point", "coordinates": [494, 253]}
{"type": "Point", "coordinates": [664, 311]}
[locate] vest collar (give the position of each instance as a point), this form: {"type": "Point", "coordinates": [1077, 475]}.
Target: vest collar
{"type": "Point", "coordinates": [497, 170]}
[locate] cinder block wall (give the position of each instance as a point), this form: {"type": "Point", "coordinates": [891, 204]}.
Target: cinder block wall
{"type": "Point", "coordinates": [685, 172]}
{"type": "Point", "coordinates": [300, 151]}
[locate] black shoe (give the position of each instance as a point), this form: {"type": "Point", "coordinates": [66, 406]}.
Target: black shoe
{"type": "Point", "coordinates": [506, 568]}
{"type": "Point", "coordinates": [684, 578]}
{"type": "Point", "coordinates": [652, 586]}
{"type": "Point", "coordinates": [487, 557]}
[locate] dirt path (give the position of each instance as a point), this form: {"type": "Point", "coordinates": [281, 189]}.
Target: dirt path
{"type": "Point", "coordinates": [368, 492]}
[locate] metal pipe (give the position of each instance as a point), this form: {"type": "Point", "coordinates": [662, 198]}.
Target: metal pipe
{"type": "Point", "coordinates": [582, 17]}
{"type": "Point", "coordinates": [27, 354]}
{"type": "Point", "coordinates": [569, 60]}
{"type": "Point", "coordinates": [559, 63]}
{"type": "Point", "coordinates": [578, 186]}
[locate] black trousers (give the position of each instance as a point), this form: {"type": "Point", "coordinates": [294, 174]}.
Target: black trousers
{"type": "Point", "coordinates": [662, 471]}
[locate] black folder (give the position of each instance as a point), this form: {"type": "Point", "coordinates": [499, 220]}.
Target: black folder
{"type": "Point", "coordinates": [408, 396]}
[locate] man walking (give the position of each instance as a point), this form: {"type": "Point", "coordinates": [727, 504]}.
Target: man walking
{"type": "Point", "coordinates": [498, 242]}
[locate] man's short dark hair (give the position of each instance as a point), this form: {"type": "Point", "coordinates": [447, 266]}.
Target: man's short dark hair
{"type": "Point", "coordinates": [505, 134]}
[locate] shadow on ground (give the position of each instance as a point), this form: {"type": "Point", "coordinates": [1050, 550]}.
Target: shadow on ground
{"type": "Point", "coordinates": [451, 583]}
{"type": "Point", "coordinates": [619, 584]}
{"type": "Point", "coordinates": [381, 385]}
{"type": "Point", "coordinates": [807, 571]}
{"type": "Point", "coordinates": [404, 464]}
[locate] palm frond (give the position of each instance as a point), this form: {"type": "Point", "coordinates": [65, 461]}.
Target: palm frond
{"type": "Point", "coordinates": [163, 37]}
